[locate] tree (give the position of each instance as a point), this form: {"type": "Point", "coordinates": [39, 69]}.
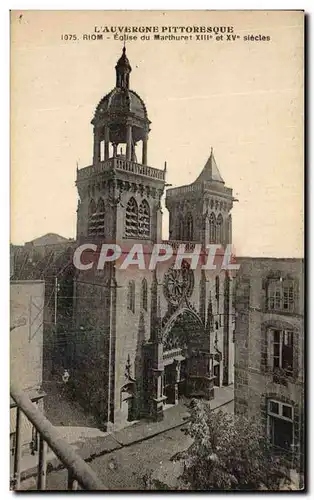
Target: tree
{"type": "Point", "coordinates": [229, 452]}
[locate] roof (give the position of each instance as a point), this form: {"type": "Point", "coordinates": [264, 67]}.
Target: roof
{"type": "Point", "coordinates": [48, 239]}
{"type": "Point", "coordinates": [210, 172]}
{"type": "Point", "coordinates": [247, 259]}
{"type": "Point", "coordinates": [121, 100]}
{"type": "Point", "coordinates": [123, 62]}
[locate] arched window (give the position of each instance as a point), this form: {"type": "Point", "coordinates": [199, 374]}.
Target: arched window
{"type": "Point", "coordinates": [131, 219]}
{"type": "Point", "coordinates": [217, 286]}
{"type": "Point", "coordinates": [229, 229]}
{"type": "Point", "coordinates": [219, 229]}
{"type": "Point", "coordinates": [181, 228]}
{"type": "Point", "coordinates": [144, 220]}
{"type": "Point", "coordinates": [92, 207]}
{"type": "Point", "coordinates": [131, 296]}
{"type": "Point", "coordinates": [92, 226]}
{"type": "Point", "coordinates": [101, 206]}
{"type": "Point", "coordinates": [100, 217]}
{"type": "Point", "coordinates": [212, 228]}
{"type": "Point", "coordinates": [189, 227]}
{"type": "Point", "coordinates": [144, 296]}
{"type": "Point", "coordinates": [96, 223]}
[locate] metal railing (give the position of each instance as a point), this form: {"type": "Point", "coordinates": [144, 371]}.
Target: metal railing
{"type": "Point", "coordinates": [79, 473]}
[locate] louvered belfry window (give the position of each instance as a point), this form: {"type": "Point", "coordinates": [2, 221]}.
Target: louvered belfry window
{"type": "Point", "coordinates": [144, 220]}
{"type": "Point", "coordinates": [91, 212]}
{"type": "Point", "coordinates": [96, 226]}
{"type": "Point", "coordinates": [219, 229]}
{"type": "Point", "coordinates": [131, 219]}
{"type": "Point", "coordinates": [137, 220]}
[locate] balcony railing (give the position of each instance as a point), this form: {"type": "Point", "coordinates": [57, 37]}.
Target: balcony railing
{"type": "Point", "coordinates": [120, 164]}
{"type": "Point", "coordinates": [189, 245]}
{"type": "Point", "coordinates": [197, 187]}
{"type": "Point", "coordinates": [79, 473]}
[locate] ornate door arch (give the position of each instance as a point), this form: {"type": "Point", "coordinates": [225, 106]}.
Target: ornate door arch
{"type": "Point", "coordinates": [183, 328]}
{"type": "Point", "coordinates": [185, 339]}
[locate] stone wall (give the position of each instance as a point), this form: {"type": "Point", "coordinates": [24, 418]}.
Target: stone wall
{"type": "Point", "coordinates": [254, 380]}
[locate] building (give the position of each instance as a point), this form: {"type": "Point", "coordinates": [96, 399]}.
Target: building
{"type": "Point", "coordinates": [26, 351]}
{"type": "Point", "coordinates": [269, 350]}
{"type": "Point", "coordinates": [49, 258]}
{"type": "Point", "coordinates": [143, 338]}
{"type": "Point", "coordinates": [48, 240]}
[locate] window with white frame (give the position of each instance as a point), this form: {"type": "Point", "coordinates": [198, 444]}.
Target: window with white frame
{"type": "Point", "coordinates": [280, 295]}
{"type": "Point", "coordinates": [281, 350]}
{"type": "Point", "coordinates": [280, 424]}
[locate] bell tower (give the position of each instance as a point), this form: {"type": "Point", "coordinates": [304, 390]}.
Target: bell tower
{"type": "Point", "coordinates": [119, 194]}
{"type": "Point", "coordinates": [200, 211]}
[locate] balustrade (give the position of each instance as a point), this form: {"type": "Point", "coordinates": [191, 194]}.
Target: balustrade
{"type": "Point", "coordinates": [79, 473]}
{"type": "Point", "coordinates": [120, 164]}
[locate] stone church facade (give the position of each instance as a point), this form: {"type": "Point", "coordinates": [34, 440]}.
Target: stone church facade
{"type": "Point", "coordinates": [142, 339]}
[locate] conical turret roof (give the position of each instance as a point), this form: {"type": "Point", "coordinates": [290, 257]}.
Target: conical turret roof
{"type": "Point", "coordinates": [210, 171]}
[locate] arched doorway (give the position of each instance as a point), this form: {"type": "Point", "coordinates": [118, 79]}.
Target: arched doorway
{"type": "Point", "coordinates": [187, 360]}
{"type": "Point", "coordinates": [127, 399]}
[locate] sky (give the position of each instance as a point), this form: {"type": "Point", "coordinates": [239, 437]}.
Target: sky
{"type": "Point", "coordinates": [243, 98]}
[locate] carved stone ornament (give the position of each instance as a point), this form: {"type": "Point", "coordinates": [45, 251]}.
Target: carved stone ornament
{"type": "Point", "coordinates": [178, 283]}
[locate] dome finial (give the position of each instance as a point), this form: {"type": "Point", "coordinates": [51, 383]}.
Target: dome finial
{"type": "Point", "coordinates": [123, 70]}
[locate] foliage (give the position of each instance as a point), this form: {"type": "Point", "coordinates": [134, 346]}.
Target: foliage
{"type": "Point", "coordinates": [153, 484]}
{"type": "Point", "coordinates": [229, 452]}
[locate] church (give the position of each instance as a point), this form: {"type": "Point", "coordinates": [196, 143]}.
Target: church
{"type": "Point", "coordinates": [142, 339]}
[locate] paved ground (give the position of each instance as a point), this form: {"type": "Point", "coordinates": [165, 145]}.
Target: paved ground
{"type": "Point", "coordinates": [124, 467]}
{"type": "Point", "coordinates": [62, 412]}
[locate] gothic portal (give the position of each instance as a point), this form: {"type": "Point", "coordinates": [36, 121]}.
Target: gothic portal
{"type": "Point", "coordinates": [143, 339]}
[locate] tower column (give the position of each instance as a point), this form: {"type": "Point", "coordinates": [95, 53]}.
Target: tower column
{"type": "Point", "coordinates": [115, 147]}
{"type": "Point", "coordinates": [144, 157]}
{"type": "Point", "coordinates": [229, 226]}
{"type": "Point", "coordinates": [129, 142]}
{"type": "Point", "coordinates": [106, 142]}
{"type": "Point", "coordinates": [133, 152]}
{"type": "Point", "coordinates": [96, 157]}
{"type": "Point", "coordinates": [158, 235]}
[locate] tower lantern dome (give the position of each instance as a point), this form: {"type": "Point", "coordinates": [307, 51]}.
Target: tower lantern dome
{"type": "Point", "coordinates": [121, 116]}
